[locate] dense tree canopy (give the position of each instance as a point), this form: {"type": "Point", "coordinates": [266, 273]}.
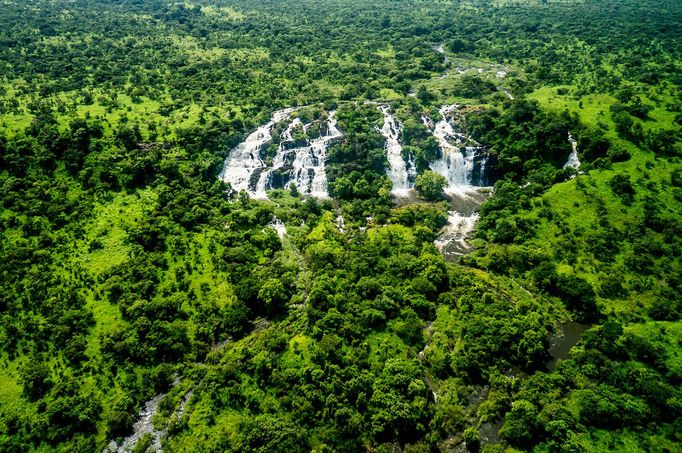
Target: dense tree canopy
{"type": "Point", "coordinates": [130, 271]}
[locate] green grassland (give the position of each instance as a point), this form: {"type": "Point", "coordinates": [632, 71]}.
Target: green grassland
{"type": "Point", "coordinates": [129, 271]}
{"type": "Point", "coordinates": [578, 201]}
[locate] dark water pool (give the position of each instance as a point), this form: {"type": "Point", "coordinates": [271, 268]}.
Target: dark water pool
{"type": "Point", "coordinates": [560, 344]}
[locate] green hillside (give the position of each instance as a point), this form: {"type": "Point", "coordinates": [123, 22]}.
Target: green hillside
{"type": "Point", "coordinates": [133, 276]}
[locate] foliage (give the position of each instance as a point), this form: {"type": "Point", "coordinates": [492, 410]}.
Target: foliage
{"type": "Point", "coordinates": [430, 184]}
{"type": "Point", "coordinates": [129, 272]}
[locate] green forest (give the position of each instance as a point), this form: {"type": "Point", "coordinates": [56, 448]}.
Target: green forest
{"type": "Point", "coordinates": [148, 304]}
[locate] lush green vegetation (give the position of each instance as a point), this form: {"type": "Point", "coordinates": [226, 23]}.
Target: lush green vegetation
{"type": "Point", "coordinates": [128, 271]}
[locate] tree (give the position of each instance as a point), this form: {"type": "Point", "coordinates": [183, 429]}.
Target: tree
{"type": "Point", "coordinates": [35, 378]}
{"type": "Point", "coordinates": [430, 184]}
{"type": "Point", "coordinates": [118, 415]}
{"type": "Point", "coordinates": [270, 433]}
{"type": "Point", "coordinates": [273, 294]}
{"type": "Point", "coordinates": [293, 190]}
{"type": "Point", "coordinates": [521, 424]}
{"type": "Point", "coordinates": [621, 186]}
{"type": "Point", "coordinates": [578, 295]}
{"type": "Point", "coordinates": [424, 95]}
{"type": "Point", "coordinates": [665, 309]}
{"type": "Point", "coordinates": [472, 438]}
{"type": "Point", "coordinates": [623, 122]}
{"type": "Point", "coordinates": [457, 45]}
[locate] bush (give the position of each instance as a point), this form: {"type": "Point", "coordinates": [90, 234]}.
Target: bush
{"type": "Point", "coordinates": [618, 154]}
{"type": "Point", "coordinates": [622, 187]}
{"type": "Point", "coordinates": [665, 309]}
{"type": "Point", "coordinates": [521, 425]}
{"type": "Point", "coordinates": [35, 378]}
{"type": "Point", "coordinates": [578, 295]}
{"type": "Point", "coordinates": [430, 184]}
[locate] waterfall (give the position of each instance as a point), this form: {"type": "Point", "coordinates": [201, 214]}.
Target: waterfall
{"type": "Point", "coordinates": [453, 240]}
{"type": "Point", "coordinates": [244, 163]}
{"type": "Point", "coordinates": [462, 166]}
{"type": "Point", "coordinates": [573, 160]}
{"type": "Point", "coordinates": [278, 226]}
{"type": "Point", "coordinates": [300, 162]}
{"type": "Point", "coordinates": [314, 158]}
{"type": "Point", "coordinates": [456, 166]}
{"type": "Point", "coordinates": [464, 169]}
{"type": "Point", "coordinates": [401, 173]}
{"type": "Point", "coordinates": [279, 162]}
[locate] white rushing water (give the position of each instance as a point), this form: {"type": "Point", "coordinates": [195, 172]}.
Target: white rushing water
{"type": "Point", "coordinates": [142, 426]}
{"type": "Point", "coordinates": [573, 160]}
{"type": "Point", "coordinates": [402, 173]}
{"type": "Point", "coordinates": [300, 162]}
{"type": "Point", "coordinates": [456, 162]}
{"type": "Point", "coordinates": [244, 162]}
{"type": "Point", "coordinates": [440, 50]}
{"type": "Point", "coordinates": [340, 223]}
{"type": "Point", "coordinates": [453, 241]}
{"type": "Point", "coordinates": [279, 227]}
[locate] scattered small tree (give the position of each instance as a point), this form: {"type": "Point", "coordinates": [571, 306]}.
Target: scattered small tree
{"type": "Point", "coordinates": [430, 184]}
{"type": "Point", "coordinates": [293, 190]}
{"type": "Point", "coordinates": [622, 187]}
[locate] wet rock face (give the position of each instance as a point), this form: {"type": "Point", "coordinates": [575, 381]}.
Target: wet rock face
{"type": "Point", "coordinates": [281, 153]}
{"type": "Point", "coordinates": [287, 151]}
{"type": "Point", "coordinates": [483, 172]}
{"type": "Point", "coordinates": [280, 177]}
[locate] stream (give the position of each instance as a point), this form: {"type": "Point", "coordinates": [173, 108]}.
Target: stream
{"type": "Point", "coordinates": [560, 344]}
{"type": "Point", "coordinates": [143, 425]}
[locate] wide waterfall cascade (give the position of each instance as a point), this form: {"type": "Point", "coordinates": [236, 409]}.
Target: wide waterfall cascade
{"type": "Point", "coordinates": [573, 160]}
{"type": "Point", "coordinates": [464, 167]}
{"type": "Point", "coordinates": [402, 173]}
{"type": "Point", "coordinates": [244, 161]}
{"type": "Point", "coordinates": [297, 160]}
{"type": "Point", "coordinates": [287, 150]}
